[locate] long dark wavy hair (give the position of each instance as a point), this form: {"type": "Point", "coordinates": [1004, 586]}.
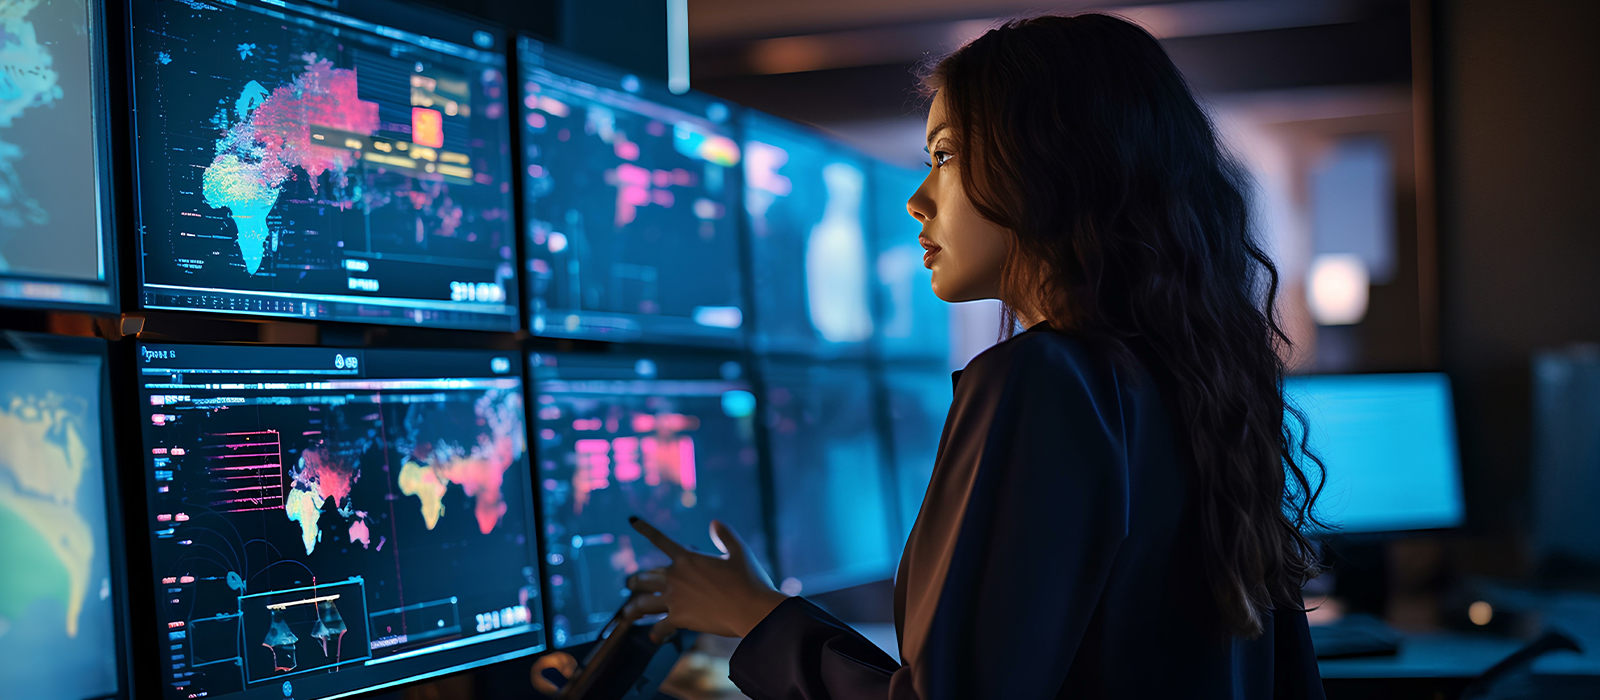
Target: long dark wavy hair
{"type": "Point", "coordinates": [1131, 226]}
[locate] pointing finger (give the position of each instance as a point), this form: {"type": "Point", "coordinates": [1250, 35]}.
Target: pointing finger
{"type": "Point", "coordinates": [662, 542]}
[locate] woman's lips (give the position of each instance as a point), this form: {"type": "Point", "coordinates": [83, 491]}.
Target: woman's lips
{"type": "Point", "coordinates": [930, 249]}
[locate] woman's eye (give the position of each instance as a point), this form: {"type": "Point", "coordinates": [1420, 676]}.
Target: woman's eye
{"type": "Point", "coordinates": [941, 157]}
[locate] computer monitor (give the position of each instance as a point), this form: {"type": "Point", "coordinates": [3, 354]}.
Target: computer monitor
{"type": "Point", "coordinates": [326, 522]}
{"type": "Point", "coordinates": [915, 324]}
{"type": "Point", "coordinates": [58, 594]}
{"type": "Point", "coordinates": [55, 242]}
{"type": "Point", "coordinates": [806, 198]}
{"type": "Point", "coordinates": [831, 499]}
{"type": "Point", "coordinates": [632, 205]}
{"type": "Point", "coordinates": [1565, 483]}
{"type": "Point", "coordinates": [669, 439]}
{"type": "Point", "coordinates": [918, 402]}
{"type": "Point", "coordinates": [295, 161]}
{"type": "Point", "coordinates": [1388, 442]}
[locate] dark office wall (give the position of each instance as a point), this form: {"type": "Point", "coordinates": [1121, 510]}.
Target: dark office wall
{"type": "Point", "coordinates": [1519, 183]}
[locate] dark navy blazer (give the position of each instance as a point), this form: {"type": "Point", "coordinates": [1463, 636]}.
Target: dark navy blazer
{"type": "Point", "coordinates": [1055, 556]}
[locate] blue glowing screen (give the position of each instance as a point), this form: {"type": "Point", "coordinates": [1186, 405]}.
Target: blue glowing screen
{"type": "Point", "coordinates": [299, 162]}
{"type": "Point", "coordinates": [1389, 444]}
{"type": "Point", "coordinates": [632, 231]}
{"type": "Point", "coordinates": [919, 401]}
{"type": "Point", "coordinates": [806, 199]}
{"type": "Point", "coordinates": [57, 631]}
{"type": "Point", "coordinates": [830, 490]}
{"type": "Point", "coordinates": [914, 324]}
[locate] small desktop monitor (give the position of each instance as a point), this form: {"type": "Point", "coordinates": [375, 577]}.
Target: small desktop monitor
{"type": "Point", "coordinates": [1388, 442]}
{"type": "Point", "coordinates": [632, 205]}
{"type": "Point", "coordinates": [918, 402]}
{"type": "Point", "coordinates": [914, 324]}
{"type": "Point", "coordinates": [299, 162]}
{"type": "Point", "coordinates": [832, 505]}
{"type": "Point", "coordinates": [58, 596]}
{"type": "Point", "coordinates": [809, 220]}
{"type": "Point", "coordinates": [55, 235]}
{"type": "Point", "coordinates": [327, 522]}
{"type": "Point", "coordinates": [669, 439]}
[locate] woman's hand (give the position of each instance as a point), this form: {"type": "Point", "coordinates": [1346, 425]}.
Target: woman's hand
{"type": "Point", "coordinates": [727, 595]}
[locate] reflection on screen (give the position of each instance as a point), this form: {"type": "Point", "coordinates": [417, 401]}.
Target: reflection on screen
{"type": "Point", "coordinates": [50, 238]}
{"type": "Point", "coordinates": [672, 441]}
{"type": "Point", "coordinates": [57, 632]}
{"type": "Point", "coordinates": [629, 195]}
{"type": "Point", "coordinates": [335, 521]}
{"type": "Point", "coordinates": [919, 401]}
{"type": "Point", "coordinates": [806, 198]}
{"type": "Point", "coordinates": [834, 526]}
{"type": "Point", "coordinates": [1389, 444]}
{"type": "Point", "coordinates": [294, 162]}
{"type": "Point", "coordinates": [916, 324]}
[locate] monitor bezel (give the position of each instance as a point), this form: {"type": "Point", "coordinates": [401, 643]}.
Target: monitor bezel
{"type": "Point", "coordinates": [1338, 537]}
{"type": "Point", "coordinates": [111, 461]}
{"type": "Point", "coordinates": [107, 159]}
{"type": "Point", "coordinates": [362, 14]}
{"type": "Point", "coordinates": [140, 567]}
{"type": "Point", "coordinates": [734, 129]}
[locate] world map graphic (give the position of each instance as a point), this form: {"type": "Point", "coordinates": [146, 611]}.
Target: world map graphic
{"type": "Point", "coordinates": [272, 138]}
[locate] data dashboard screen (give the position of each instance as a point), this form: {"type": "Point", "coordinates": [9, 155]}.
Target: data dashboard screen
{"type": "Point", "coordinates": [835, 526]}
{"type": "Point", "coordinates": [297, 162]}
{"type": "Point", "coordinates": [671, 440]}
{"type": "Point", "coordinates": [806, 198]}
{"type": "Point", "coordinates": [918, 402]}
{"type": "Point", "coordinates": [54, 250]}
{"type": "Point", "coordinates": [325, 522]}
{"type": "Point", "coordinates": [1389, 444]}
{"type": "Point", "coordinates": [631, 196]}
{"type": "Point", "coordinates": [915, 324]}
{"type": "Point", "coordinates": [58, 633]}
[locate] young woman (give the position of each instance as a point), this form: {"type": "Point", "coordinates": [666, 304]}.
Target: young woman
{"type": "Point", "coordinates": [1117, 505]}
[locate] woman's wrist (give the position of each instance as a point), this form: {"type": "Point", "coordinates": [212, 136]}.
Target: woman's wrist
{"type": "Point", "coordinates": [760, 607]}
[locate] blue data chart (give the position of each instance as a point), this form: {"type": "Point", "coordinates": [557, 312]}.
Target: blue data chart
{"type": "Point", "coordinates": [807, 200]}
{"type": "Point", "coordinates": [919, 400]}
{"type": "Point", "coordinates": [914, 324]}
{"type": "Point", "coordinates": [297, 162]}
{"type": "Point", "coordinates": [335, 521]}
{"type": "Point", "coordinates": [830, 488]}
{"type": "Point", "coordinates": [632, 198]}
{"type": "Point", "coordinates": [1389, 444]}
{"type": "Point", "coordinates": [671, 440]}
{"type": "Point", "coordinates": [54, 249]}
{"type": "Point", "coordinates": [57, 627]}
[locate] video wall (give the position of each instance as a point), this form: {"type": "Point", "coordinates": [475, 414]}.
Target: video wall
{"type": "Point", "coordinates": [653, 304]}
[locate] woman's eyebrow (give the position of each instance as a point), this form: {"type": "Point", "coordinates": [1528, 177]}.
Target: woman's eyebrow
{"type": "Point", "coordinates": [935, 133]}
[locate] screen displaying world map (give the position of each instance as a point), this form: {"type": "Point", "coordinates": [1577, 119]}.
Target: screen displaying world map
{"type": "Point", "coordinates": [297, 162]}
{"type": "Point", "coordinates": [57, 631]}
{"type": "Point", "coordinates": [336, 519]}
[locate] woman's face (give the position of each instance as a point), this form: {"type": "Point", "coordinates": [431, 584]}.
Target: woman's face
{"type": "Point", "coordinates": [964, 250]}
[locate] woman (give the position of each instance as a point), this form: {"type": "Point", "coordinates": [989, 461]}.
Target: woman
{"type": "Point", "coordinates": [1117, 505]}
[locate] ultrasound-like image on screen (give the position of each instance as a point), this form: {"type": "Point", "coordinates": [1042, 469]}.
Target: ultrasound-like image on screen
{"type": "Point", "coordinates": [631, 197]}
{"type": "Point", "coordinates": [53, 251]}
{"type": "Point", "coordinates": [919, 400]}
{"type": "Point", "coordinates": [835, 526]}
{"type": "Point", "coordinates": [327, 522]}
{"type": "Point", "coordinates": [806, 197]}
{"type": "Point", "coordinates": [297, 162]}
{"type": "Point", "coordinates": [671, 440]}
{"type": "Point", "coordinates": [915, 323]}
{"type": "Point", "coordinates": [1388, 442]}
{"type": "Point", "coordinates": [58, 634]}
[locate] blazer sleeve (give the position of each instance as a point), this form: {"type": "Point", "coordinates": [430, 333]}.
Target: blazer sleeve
{"type": "Point", "coordinates": [1046, 512]}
